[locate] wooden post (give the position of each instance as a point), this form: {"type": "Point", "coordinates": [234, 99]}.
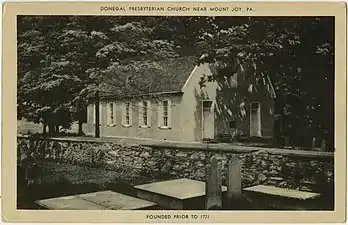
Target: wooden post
{"type": "Point", "coordinates": [213, 185]}
{"type": "Point", "coordinates": [234, 180]}
{"type": "Point", "coordinates": [97, 123]}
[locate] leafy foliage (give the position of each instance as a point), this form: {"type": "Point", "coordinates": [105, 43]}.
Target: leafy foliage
{"type": "Point", "coordinates": [295, 52]}
{"type": "Point", "coordinates": [63, 60]}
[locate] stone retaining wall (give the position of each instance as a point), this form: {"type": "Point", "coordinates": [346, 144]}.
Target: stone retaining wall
{"type": "Point", "coordinates": [169, 161]}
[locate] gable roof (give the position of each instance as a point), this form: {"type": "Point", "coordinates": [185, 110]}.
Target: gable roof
{"type": "Point", "coordinates": [270, 88]}
{"type": "Point", "coordinates": [166, 76]}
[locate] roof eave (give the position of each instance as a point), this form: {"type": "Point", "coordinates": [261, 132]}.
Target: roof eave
{"type": "Point", "coordinates": [273, 94]}
{"type": "Point", "coordinates": [188, 79]}
{"type": "Point", "coordinates": [141, 95]}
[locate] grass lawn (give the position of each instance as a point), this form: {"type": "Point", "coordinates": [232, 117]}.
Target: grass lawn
{"type": "Point", "coordinates": [24, 127]}
{"type": "Point", "coordinates": [63, 179]}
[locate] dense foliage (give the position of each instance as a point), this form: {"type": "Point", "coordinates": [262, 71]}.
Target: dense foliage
{"type": "Point", "coordinates": [296, 53]}
{"type": "Point", "coordinates": [62, 60]}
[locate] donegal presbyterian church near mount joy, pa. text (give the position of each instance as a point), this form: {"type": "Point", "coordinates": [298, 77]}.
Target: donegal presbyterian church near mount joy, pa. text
{"type": "Point", "coordinates": [179, 104]}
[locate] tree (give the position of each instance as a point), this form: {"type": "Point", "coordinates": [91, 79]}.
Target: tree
{"type": "Point", "coordinates": [41, 76]}
{"type": "Point", "coordinates": [62, 64]}
{"type": "Point", "coordinates": [295, 52]}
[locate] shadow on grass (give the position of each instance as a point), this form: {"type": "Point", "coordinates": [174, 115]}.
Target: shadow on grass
{"type": "Point", "coordinates": [27, 196]}
{"type": "Point", "coordinates": [74, 180]}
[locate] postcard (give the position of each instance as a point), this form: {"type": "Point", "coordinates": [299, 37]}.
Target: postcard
{"type": "Point", "coordinates": [195, 112]}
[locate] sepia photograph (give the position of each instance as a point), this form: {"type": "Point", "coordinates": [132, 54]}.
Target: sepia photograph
{"type": "Point", "coordinates": [175, 112]}
{"type": "Point", "coordinates": [187, 113]}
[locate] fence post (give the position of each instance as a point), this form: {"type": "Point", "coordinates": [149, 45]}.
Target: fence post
{"type": "Point", "coordinates": [234, 180]}
{"type": "Point", "coordinates": [213, 185]}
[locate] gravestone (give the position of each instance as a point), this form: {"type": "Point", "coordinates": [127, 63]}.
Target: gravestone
{"type": "Point", "coordinates": [69, 203]}
{"type": "Point", "coordinates": [116, 201]}
{"type": "Point", "coordinates": [272, 197]}
{"type": "Point", "coordinates": [175, 194]}
{"type": "Point", "coordinates": [234, 180]}
{"type": "Point", "coordinates": [103, 200]}
{"type": "Point", "coordinates": [213, 185]}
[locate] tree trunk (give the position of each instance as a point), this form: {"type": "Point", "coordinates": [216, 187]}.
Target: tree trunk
{"type": "Point", "coordinates": [97, 123]}
{"type": "Point", "coordinates": [44, 128]}
{"type": "Point", "coordinates": [50, 129]}
{"type": "Point", "coordinates": [80, 128]}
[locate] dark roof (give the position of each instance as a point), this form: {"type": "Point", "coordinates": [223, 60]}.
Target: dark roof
{"type": "Point", "coordinates": [163, 76]}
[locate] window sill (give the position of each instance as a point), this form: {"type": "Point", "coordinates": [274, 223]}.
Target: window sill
{"type": "Point", "coordinates": [126, 126]}
{"type": "Point", "coordinates": [165, 128]}
{"type": "Point", "coordinates": [111, 125]}
{"type": "Point", "coordinates": [144, 126]}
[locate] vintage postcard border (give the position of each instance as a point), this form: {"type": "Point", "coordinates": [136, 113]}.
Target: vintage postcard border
{"type": "Point", "coordinates": [11, 10]}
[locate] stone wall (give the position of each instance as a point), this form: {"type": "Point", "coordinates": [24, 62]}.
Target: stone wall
{"type": "Point", "coordinates": [169, 161]}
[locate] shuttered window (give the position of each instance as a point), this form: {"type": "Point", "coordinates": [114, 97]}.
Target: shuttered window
{"type": "Point", "coordinates": [165, 114]}
{"type": "Point", "coordinates": [111, 109]}
{"type": "Point", "coordinates": [145, 114]}
{"type": "Point", "coordinates": [127, 114]}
